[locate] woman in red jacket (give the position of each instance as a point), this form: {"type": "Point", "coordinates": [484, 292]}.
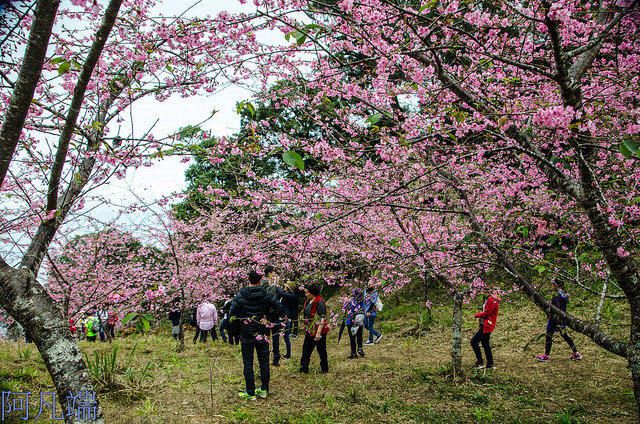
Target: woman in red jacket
{"type": "Point", "coordinates": [487, 318]}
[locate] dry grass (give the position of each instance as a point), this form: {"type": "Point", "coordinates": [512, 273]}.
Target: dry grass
{"type": "Point", "coordinates": [401, 380]}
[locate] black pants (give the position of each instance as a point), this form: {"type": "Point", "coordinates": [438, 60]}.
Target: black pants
{"type": "Point", "coordinates": [357, 339]}
{"type": "Point", "coordinates": [483, 338]}
{"type": "Point", "coordinates": [307, 348]}
{"type": "Point", "coordinates": [234, 337]}
{"type": "Point", "coordinates": [262, 351]}
{"type": "Point", "coordinates": [275, 340]}
{"type": "Point", "coordinates": [111, 330]}
{"type": "Point", "coordinates": [203, 334]}
{"type": "Point", "coordinates": [549, 341]}
{"type": "Point", "coordinates": [294, 326]}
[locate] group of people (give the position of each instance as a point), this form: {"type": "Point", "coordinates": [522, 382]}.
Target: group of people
{"type": "Point", "coordinates": [263, 311]}
{"type": "Point", "coordinates": [487, 323]}
{"type": "Point", "coordinates": [95, 324]}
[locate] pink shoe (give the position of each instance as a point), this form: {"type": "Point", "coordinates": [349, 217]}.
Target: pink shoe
{"type": "Point", "coordinates": [543, 358]}
{"type": "Point", "coordinates": [575, 356]}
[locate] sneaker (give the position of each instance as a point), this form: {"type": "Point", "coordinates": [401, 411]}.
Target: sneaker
{"type": "Point", "coordinates": [576, 356]}
{"type": "Point", "coordinates": [276, 362]}
{"type": "Point", "coordinates": [378, 338]}
{"type": "Point", "coordinates": [489, 367]}
{"type": "Point", "coordinates": [360, 352]}
{"type": "Point", "coordinates": [543, 358]}
{"type": "Point", "coordinates": [287, 356]}
{"type": "Point", "coordinates": [478, 366]}
{"type": "Point", "coordinates": [368, 342]}
{"type": "Point", "coordinates": [353, 356]}
{"type": "Point", "coordinates": [324, 371]}
{"type": "Point", "coordinates": [261, 393]}
{"type": "Point", "coordinates": [246, 396]}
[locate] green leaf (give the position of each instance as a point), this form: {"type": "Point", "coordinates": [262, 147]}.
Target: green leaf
{"type": "Point", "coordinates": [169, 68]}
{"type": "Point", "coordinates": [57, 60]}
{"type": "Point", "coordinates": [148, 316]}
{"type": "Point", "coordinates": [64, 68]}
{"type": "Point", "coordinates": [629, 147]}
{"type": "Point", "coordinates": [373, 119]}
{"type": "Point", "coordinates": [314, 26]}
{"type": "Point", "coordinates": [251, 108]}
{"type": "Point", "coordinates": [291, 158]}
{"type": "Point", "coordinates": [300, 37]}
{"type": "Point", "coordinates": [129, 317]}
{"type": "Point", "coordinates": [76, 64]}
{"type": "Point", "coordinates": [146, 325]}
{"type": "Point", "coordinates": [541, 269]}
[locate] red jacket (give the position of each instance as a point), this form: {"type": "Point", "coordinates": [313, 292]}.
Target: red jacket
{"type": "Point", "coordinates": [312, 318]}
{"type": "Point", "coordinates": [490, 313]}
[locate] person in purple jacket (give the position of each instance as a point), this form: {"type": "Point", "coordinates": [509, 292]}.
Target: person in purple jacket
{"type": "Point", "coordinates": [559, 300]}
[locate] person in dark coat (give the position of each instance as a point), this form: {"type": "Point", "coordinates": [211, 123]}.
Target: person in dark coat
{"type": "Point", "coordinates": [270, 277]}
{"type": "Point", "coordinates": [252, 307]}
{"type": "Point", "coordinates": [290, 306]}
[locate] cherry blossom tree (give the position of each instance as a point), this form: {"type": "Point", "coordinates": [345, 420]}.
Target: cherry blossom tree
{"type": "Point", "coordinates": [522, 119]}
{"type": "Point", "coordinates": [69, 74]}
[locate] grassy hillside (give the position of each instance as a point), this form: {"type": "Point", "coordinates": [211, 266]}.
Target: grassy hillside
{"type": "Point", "coordinates": [402, 379]}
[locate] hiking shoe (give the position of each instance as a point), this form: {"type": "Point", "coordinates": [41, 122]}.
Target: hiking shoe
{"type": "Point", "coordinates": [360, 352]}
{"type": "Point", "coordinates": [543, 358]}
{"type": "Point", "coordinates": [287, 356]}
{"type": "Point", "coordinates": [478, 366]}
{"type": "Point", "coordinates": [261, 393]}
{"type": "Point", "coordinates": [368, 342]}
{"type": "Point", "coordinates": [378, 338]}
{"type": "Point", "coordinates": [575, 356]}
{"type": "Point", "coordinates": [246, 396]}
{"type": "Point", "coordinates": [353, 356]}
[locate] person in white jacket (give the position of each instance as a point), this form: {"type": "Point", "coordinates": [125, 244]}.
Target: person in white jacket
{"type": "Point", "coordinates": [207, 321]}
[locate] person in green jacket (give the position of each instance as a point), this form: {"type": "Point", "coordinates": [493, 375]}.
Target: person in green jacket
{"type": "Point", "coordinates": [93, 327]}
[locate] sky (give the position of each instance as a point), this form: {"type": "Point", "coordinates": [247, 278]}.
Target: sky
{"type": "Point", "coordinates": [169, 116]}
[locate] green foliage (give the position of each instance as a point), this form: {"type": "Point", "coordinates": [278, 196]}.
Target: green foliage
{"type": "Point", "coordinates": [144, 321]}
{"type": "Point", "coordinates": [569, 416]}
{"type": "Point", "coordinates": [103, 368]}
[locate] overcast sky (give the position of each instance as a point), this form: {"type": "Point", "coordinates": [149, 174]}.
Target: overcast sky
{"type": "Point", "coordinates": [167, 176]}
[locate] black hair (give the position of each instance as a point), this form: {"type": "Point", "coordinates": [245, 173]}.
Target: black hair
{"type": "Point", "coordinates": [254, 278]}
{"type": "Point", "coordinates": [559, 283]}
{"type": "Point", "coordinates": [268, 270]}
{"type": "Point", "coordinates": [313, 289]}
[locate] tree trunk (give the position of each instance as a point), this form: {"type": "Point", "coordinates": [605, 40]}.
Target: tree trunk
{"type": "Point", "coordinates": [27, 301]}
{"type": "Point", "coordinates": [633, 350]}
{"type": "Point", "coordinates": [456, 343]}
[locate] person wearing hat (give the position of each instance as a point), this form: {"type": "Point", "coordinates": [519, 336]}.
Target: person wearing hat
{"type": "Point", "coordinates": [354, 314]}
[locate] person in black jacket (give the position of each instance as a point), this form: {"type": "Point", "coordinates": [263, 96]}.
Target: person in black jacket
{"type": "Point", "coordinates": [253, 306]}
{"type": "Point", "coordinates": [174, 316]}
{"type": "Point", "coordinates": [271, 277]}
{"type": "Point", "coordinates": [290, 306]}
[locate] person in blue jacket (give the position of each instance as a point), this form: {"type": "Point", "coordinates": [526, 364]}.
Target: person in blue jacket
{"type": "Point", "coordinates": [370, 299]}
{"type": "Point", "coordinates": [560, 299]}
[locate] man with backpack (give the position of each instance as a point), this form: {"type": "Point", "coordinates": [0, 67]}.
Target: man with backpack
{"type": "Point", "coordinates": [252, 307]}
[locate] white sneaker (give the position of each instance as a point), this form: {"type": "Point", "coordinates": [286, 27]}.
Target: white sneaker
{"type": "Point", "coordinates": [378, 338]}
{"type": "Point", "coordinates": [368, 342]}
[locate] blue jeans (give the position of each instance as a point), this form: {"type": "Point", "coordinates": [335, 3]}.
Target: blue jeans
{"type": "Point", "coordinates": [223, 326]}
{"type": "Point", "coordinates": [262, 351]}
{"type": "Point", "coordinates": [368, 324]}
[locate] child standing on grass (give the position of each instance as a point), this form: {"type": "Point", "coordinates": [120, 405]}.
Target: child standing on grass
{"type": "Point", "coordinates": [559, 300]}
{"type": "Point", "coordinates": [487, 324]}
